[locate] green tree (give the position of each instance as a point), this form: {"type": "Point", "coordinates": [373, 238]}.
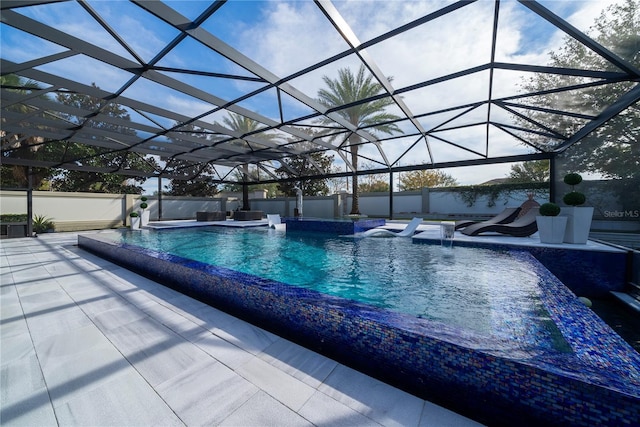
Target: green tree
{"type": "Point", "coordinates": [349, 88]}
{"type": "Point", "coordinates": [21, 146]}
{"type": "Point", "coordinates": [303, 165]}
{"type": "Point", "coordinates": [95, 156]}
{"type": "Point", "coordinates": [374, 186]}
{"type": "Point", "coordinates": [611, 150]}
{"type": "Point", "coordinates": [374, 182]}
{"type": "Point", "coordinates": [426, 178]}
{"type": "Point", "coordinates": [534, 171]}
{"type": "Point", "coordinates": [196, 174]}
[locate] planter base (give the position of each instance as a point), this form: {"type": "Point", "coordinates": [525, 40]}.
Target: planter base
{"type": "Point", "coordinates": [551, 229]}
{"type": "Point", "coordinates": [578, 224]}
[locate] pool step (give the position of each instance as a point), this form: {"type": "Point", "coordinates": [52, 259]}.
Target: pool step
{"type": "Point", "coordinates": [631, 296]}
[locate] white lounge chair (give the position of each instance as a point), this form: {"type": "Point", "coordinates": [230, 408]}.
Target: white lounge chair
{"type": "Point", "coordinates": [275, 221]}
{"type": "Point", "coordinates": [383, 232]}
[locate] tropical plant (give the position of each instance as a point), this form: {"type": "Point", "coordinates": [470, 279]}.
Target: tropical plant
{"type": "Point", "coordinates": [347, 89]}
{"type": "Point", "coordinates": [42, 224]}
{"type": "Point", "coordinates": [254, 175]}
{"type": "Point", "coordinates": [243, 125]}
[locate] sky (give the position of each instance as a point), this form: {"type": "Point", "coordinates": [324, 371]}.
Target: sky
{"type": "Point", "coordinates": [285, 36]}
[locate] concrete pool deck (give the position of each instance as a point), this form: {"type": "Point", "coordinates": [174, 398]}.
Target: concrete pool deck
{"type": "Point", "coordinates": [86, 342]}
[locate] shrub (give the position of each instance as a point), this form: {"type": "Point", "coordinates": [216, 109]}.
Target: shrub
{"type": "Point", "coordinates": [572, 179]}
{"type": "Point", "coordinates": [133, 214]}
{"type": "Point", "coordinates": [574, 198]}
{"type": "Point", "coordinates": [13, 218]}
{"type": "Point", "coordinates": [42, 224]}
{"type": "Point", "coordinates": [549, 209]}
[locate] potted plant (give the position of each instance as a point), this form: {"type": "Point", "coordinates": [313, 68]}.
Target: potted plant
{"type": "Point", "coordinates": [144, 213]}
{"type": "Point", "coordinates": [134, 220]}
{"type": "Point", "coordinates": [578, 217]}
{"type": "Point", "coordinates": [551, 227]}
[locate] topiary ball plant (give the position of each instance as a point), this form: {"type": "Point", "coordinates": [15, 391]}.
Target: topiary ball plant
{"type": "Point", "coordinates": [133, 214]}
{"type": "Point", "coordinates": [574, 198]}
{"type": "Point", "coordinates": [143, 205]}
{"type": "Point", "coordinates": [549, 209]}
{"type": "Point", "coordinates": [572, 179]}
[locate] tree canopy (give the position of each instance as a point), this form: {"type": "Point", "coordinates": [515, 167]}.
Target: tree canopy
{"type": "Point", "coordinates": [17, 145]}
{"type": "Point", "coordinates": [306, 165]}
{"type": "Point", "coordinates": [73, 152]}
{"type": "Point", "coordinates": [196, 174]}
{"type": "Point", "coordinates": [533, 171]}
{"type": "Point", "coordinates": [612, 150]}
{"type": "Point", "coordinates": [426, 178]}
{"type": "Point", "coordinates": [312, 163]}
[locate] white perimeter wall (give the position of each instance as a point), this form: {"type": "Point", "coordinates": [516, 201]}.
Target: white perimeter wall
{"type": "Point", "coordinates": [75, 211]}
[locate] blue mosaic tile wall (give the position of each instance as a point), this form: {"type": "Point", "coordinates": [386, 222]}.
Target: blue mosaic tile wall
{"type": "Point", "coordinates": [596, 383]}
{"type": "Point", "coordinates": [590, 273]}
{"type": "Point", "coordinates": [342, 227]}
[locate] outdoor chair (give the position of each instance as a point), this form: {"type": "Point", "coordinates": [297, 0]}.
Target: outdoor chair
{"type": "Point", "coordinates": [504, 217]}
{"type": "Point", "coordinates": [522, 227]}
{"type": "Point", "coordinates": [275, 221]}
{"type": "Point", "coordinates": [408, 231]}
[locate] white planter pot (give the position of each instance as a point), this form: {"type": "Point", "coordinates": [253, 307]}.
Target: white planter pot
{"type": "Point", "coordinates": [578, 223]}
{"type": "Point", "coordinates": [551, 229]}
{"type": "Point", "coordinates": [144, 217]}
{"type": "Point", "coordinates": [135, 222]}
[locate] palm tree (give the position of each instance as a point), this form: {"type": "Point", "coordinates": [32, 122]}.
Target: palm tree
{"type": "Point", "coordinates": [243, 125]}
{"type": "Point", "coordinates": [346, 89]}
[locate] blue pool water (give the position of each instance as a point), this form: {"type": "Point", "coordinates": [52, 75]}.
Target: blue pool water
{"type": "Point", "coordinates": [490, 292]}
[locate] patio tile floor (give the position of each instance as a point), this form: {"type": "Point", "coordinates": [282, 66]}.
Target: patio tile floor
{"type": "Point", "coordinates": [85, 342]}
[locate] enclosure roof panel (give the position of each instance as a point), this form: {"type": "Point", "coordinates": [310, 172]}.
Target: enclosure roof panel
{"type": "Point", "coordinates": [172, 79]}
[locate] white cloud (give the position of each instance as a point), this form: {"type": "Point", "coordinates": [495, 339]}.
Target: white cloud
{"type": "Point", "coordinates": [293, 35]}
{"type": "Point", "coordinates": [288, 36]}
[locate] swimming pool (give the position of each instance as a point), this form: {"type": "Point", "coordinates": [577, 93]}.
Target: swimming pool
{"type": "Point", "coordinates": [553, 370]}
